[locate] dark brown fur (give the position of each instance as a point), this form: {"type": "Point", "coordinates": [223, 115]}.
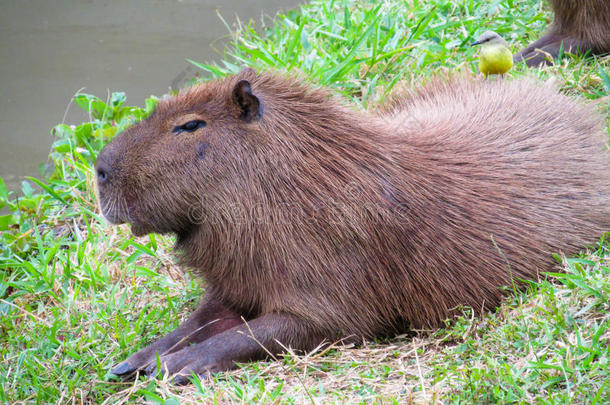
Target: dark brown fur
{"type": "Point", "coordinates": [315, 221]}
{"type": "Point", "coordinates": [580, 26]}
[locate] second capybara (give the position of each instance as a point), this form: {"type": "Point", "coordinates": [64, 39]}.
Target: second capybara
{"type": "Point", "coordinates": [580, 26]}
{"type": "Point", "coordinates": [311, 220]}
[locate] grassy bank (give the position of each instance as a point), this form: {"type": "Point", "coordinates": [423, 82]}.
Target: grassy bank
{"type": "Point", "coordinates": [78, 295]}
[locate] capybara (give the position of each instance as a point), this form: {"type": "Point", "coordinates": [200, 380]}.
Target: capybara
{"type": "Point", "coordinates": [313, 221]}
{"type": "Point", "coordinates": [580, 26]}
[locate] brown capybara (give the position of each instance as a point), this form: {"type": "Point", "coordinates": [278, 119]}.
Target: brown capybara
{"type": "Point", "coordinates": [580, 26]}
{"type": "Point", "coordinates": [314, 221]}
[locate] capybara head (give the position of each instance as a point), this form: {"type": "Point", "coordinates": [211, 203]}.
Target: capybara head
{"type": "Point", "coordinates": [156, 174]}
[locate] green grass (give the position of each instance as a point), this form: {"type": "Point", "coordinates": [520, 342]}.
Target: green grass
{"type": "Point", "coordinates": [77, 296]}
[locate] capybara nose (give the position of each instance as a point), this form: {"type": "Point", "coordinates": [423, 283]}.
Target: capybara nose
{"type": "Point", "coordinates": [104, 170]}
{"type": "Point", "coordinates": [102, 175]}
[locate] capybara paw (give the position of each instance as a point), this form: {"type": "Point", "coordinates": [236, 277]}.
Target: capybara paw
{"type": "Point", "coordinates": [192, 360]}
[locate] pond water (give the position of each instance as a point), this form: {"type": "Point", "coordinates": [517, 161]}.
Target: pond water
{"type": "Point", "coordinates": [51, 49]}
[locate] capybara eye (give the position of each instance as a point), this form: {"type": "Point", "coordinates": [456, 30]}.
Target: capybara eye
{"type": "Point", "coordinates": [190, 126]}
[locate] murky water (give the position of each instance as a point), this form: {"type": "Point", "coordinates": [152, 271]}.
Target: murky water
{"type": "Point", "coordinates": [51, 49]}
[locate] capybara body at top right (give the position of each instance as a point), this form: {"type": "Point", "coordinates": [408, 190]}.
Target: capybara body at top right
{"type": "Point", "coordinates": [579, 26]}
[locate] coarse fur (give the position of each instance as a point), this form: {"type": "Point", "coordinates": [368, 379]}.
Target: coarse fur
{"type": "Point", "coordinates": [579, 26]}
{"type": "Point", "coordinates": [317, 221]}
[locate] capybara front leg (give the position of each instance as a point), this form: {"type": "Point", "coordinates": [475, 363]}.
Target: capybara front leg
{"type": "Point", "coordinates": [255, 340]}
{"type": "Point", "coordinates": [210, 318]}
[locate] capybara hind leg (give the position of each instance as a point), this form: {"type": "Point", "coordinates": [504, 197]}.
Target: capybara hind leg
{"type": "Point", "coordinates": [208, 320]}
{"type": "Point", "coordinates": [269, 334]}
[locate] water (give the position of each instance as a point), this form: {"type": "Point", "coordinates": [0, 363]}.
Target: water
{"type": "Point", "coordinates": [51, 49]}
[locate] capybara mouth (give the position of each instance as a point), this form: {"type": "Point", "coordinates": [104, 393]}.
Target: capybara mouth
{"type": "Point", "coordinates": [142, 223]}
{"type": "Point", "coordinates": [138, 227]}
{"type": "Point", "coordinates": [111, 212]}
{"type": "Point", "coordinates": [117, 210]}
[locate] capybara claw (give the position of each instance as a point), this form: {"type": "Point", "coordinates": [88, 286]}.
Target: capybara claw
{"type": "Point", "coordinates": [123, 369]}
{"type": "Point", "coordinates": [151, 370]}
{"type": "Point", "coordinates": [181, 380]}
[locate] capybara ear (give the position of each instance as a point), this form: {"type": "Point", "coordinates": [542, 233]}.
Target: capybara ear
{"type": "Point", "coordinates": [247, 74]}
{"type": "Point", "coordinates": [251, 108]}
